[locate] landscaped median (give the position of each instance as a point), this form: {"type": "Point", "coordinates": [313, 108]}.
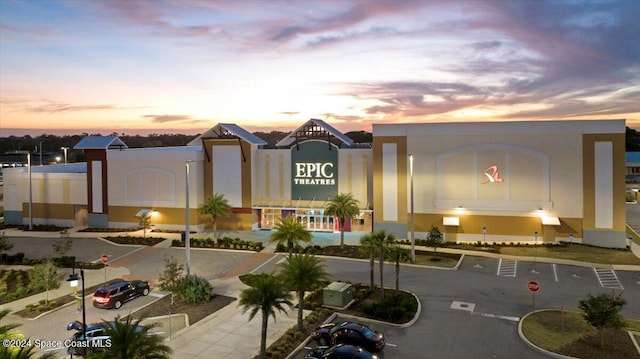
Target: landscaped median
{"type": "Point", "coordinates": [566, 334]}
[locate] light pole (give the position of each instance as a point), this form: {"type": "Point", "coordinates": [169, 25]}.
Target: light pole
{"type": "Point", "coordinates": [64, 149]}
{"type": "Point", "coordinates": [484, 236]}
{"type": "Point", "coordinates": [187, 241]}
{"type": "Point", "coordinates": [535, 236]}
{"type": "Point", "coordinates": [570, 238]}
{"type": "Point", "coordinates": [73, 281]}
{"type": "Point", "coordinates": [413, 222]}
{"type": "Point", "coordinates": [30, 193]}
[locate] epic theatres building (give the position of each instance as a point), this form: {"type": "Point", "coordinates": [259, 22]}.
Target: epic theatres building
{"type": "Point", "coordinates": [498, 181]}
{"type": "Point", "coordinates": [117, 184]}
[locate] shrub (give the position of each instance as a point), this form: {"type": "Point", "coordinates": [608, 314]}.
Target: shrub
{"type": "Point", "coordinates": [64, 261]}
{"type": "Point", "coordinates": [195, 289]}
{"type": "Point", "coordinates": [21, 291]}
{"type": "Point", "coordinates": [392, 308]}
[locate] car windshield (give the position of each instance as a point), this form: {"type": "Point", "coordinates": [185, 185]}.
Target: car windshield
{"type": "Point", "coordinates": [368, 332]}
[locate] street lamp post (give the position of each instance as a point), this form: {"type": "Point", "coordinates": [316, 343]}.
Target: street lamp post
{"type": "Point", "coordinates": [413, 222]}
{"type": "Point", "coordinates": [187, 241]}
{"type": "Point", "coordinates": [484, 236]}
{"type": "Point", "coordinates": [535, 236]}
{"type": "Point", "coordinates": [73, 281]}
{"type": "Point", "coordinates": [30, 193]}
{"type": "Point", "coordinates": [570, 238]}
{"type": "Point", "coordinates": [64, 149]}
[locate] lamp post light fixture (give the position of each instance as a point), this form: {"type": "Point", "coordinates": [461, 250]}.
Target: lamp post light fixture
{"type": "Point", "coordinates": [484, 235]}
{"type": "Point", "coordinates": [64, 149]}
{"type": "Point", "coordinates": [73, 281]}
{"type": "Point", "coordinates": [570, 238]}
{"type": "Point", "coordinates": [413, 220]}
{"type": "Point", "coordinates": [187, 241]}
{"type": "Point", "coordinates": [30, 188]}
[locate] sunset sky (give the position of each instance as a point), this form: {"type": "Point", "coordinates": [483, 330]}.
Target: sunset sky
{"type": "Point", "coordinates": [181, 66]}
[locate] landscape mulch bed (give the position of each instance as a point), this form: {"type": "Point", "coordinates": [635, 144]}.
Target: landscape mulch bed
{"type": "Point", "coordinates": [195, 312]}
{"type": "Point", "coordinates": [617, 344]}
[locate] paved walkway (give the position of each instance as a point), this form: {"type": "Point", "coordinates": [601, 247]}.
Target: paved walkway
{"type": "Point", "coordinates": [228, 333]}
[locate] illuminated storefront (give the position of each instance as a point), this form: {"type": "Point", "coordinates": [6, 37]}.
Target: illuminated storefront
{"type": "Point", "coordinates": [314, 162]}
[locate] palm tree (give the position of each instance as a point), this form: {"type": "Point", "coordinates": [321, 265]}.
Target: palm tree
{"type": "Point", "coordinates": [130, 340]}
{"type": "Point", "coordinates": [302, 272]}
{"type": "Point", "coordinates": [265, 294]}
{"type": "Point", "coordinates": [342, 206]}
{"type": "Point", "coordinates": [291, 232]}
{"type": "Point", "coordinates": [215, 206]}
{"type": "Point", "coordinates": [23, 352]}
{"type": "Point", "coordinates": [368, 247]}
{"type": "Point", "coordinates": [398, 253]}
{"type": "Point", "coordinates": [382, 240]}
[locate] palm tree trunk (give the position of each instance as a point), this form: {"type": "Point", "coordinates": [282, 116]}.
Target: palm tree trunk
{"type": "Point", "coordinates": [300, 308]}
{"type": "Point", "coordinates": [290, 245]}
{"type": "Point", "coordinates": [371, 265]}
{"type": "Point", "coordinates": [215, 229]}
{"type": "Point", "coordinates": [397, 274]}
{"type": "Point", "coordinates": [263, 338]}
{"type": "Point", "coordinates": [381, 260]}
{"type": "Point", "coordinates": [342, 220]}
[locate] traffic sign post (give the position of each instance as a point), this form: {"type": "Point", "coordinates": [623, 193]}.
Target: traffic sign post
{"type": "Point", "coordinates": [105, 261]}
{"type": "Point", "coordinates": [533, 287]}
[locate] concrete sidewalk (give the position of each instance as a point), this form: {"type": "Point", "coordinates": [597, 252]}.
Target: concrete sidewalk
{"type": "Point", "coordinates": [228, 333]}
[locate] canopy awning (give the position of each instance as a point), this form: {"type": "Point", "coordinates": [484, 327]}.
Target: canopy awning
{"type": "Point", "coordinates": [451, 221]}
{"type": "Point", "coordinates": [550, 220]}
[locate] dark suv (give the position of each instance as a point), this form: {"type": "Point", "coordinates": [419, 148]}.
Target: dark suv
{"type": "Point", "coordinates": [113, 295]}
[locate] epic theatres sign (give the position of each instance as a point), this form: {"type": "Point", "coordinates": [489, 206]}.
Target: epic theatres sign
{"type": "Point", "coordinates": [314, 171]}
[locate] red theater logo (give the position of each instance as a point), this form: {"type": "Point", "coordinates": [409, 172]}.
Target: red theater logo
{"type": "Point", "coordinates": [493, 176]}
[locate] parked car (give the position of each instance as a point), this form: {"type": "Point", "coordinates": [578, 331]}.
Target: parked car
{"type": "Point", "coordinates": [113, 295]}
{"type": "Point", "coordinates": [340, 351]}
{"type": "Point", "coordinates": [349, 333]}
{"type": "Point", "coordinates": [95, 340]}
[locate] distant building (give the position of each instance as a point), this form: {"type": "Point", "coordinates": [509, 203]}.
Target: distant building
{"type": "Point", "coordinates": [499, 182]}
{"type": "Point", "coordinates": [632, 167]}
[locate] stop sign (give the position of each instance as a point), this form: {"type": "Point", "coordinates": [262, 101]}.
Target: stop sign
{"type": "Point", "coordinates": [105, 258]}
{"type": "Point", "coordinates": [533, 286]}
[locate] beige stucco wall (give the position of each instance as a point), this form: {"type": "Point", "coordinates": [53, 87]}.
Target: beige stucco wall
{"type": "Point", "coordinates": [545, 167]}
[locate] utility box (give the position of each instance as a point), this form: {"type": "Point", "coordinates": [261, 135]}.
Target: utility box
{"type": "Point", "coordinates": [337, 294]}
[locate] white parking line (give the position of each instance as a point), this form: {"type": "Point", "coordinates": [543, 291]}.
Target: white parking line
{"type": "Point", "coordinates": [507, 268]}
{"type": "Point", "coordinates": [608, 278]}
{"type": "Point", "coordinates": [555, 271]}
{"type": "Point", "coordinates": [505, 317]}
{"type": "Point", "coordinates": [267, 261]}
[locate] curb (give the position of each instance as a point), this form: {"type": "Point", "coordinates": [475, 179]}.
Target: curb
{"type": "Point", "coordinates": [535, 347]}
{"type": "Point", "coordinates": [333, 316]}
